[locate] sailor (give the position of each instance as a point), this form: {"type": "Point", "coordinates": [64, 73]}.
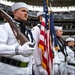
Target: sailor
{"type": "Point", "coordinates": [61, 50]}
{"type": "Point", "coordinates": [14, 57]}
{"type": "Point", "coordinates": [71, 53]}
{"type": "Point", "coordinates": [39, 70]}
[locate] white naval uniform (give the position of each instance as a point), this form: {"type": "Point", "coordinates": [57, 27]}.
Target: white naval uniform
{"type": "Point", "coordinates": [8, 43]}
{"type": "Point", "coordinates": [63, 64]}
{"type": "Point", "coordinates": [56, 63]}
{"type": "Point", "coordinates": [71, 69]}
{"type": "Point", "coordinates": [37, 52]}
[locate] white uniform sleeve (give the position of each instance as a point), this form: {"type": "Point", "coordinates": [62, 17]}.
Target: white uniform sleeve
{"type": "Point", "coordinates": [70, 57]}
{"type": "Point", "coordinates": [70, 52]}
{"type": "Point", "coordinates": [37, 52]}
{"type": "Point", "coordinates": [7, 50]}
{"type": "Point", "coordinates": [5, 47]}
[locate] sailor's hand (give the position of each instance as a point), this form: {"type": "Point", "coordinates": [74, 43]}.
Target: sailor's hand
{"type": "Point", "coordinates": [42, 70]}
{"type": "Point", "coordinates": [25, 49]}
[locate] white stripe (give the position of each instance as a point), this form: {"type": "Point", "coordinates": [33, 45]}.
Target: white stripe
{"type": "Point", "coordinates": [42, 28]}
{"type": "Point", "coordinates": [46, 55]}
{"type": "Point", "coordinates": [42, 37]}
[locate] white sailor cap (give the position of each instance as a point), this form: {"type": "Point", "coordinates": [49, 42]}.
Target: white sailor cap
{"type": "Point", "coordinates": [70, 39]}
{"type": "Point", "coordinates": [40, 13]}
{"type": "Point", "coordinates": [18, 5]}
{"type": "Point", "coordinates": [58, 27]}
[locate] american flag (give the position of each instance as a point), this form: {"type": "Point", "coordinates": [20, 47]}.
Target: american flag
{"type": "Point", "coordinates": [44, 42]}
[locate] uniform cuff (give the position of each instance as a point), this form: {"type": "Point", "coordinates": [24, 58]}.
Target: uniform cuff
{"type": "Point", "coordinates": [17, 50]}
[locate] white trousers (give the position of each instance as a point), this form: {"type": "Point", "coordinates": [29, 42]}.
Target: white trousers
{"type": "Point", "coordinates": [56, 69]}
{"type": "Point", "coordinates": [71, 70]}
{"type": "Point", "coordinates": [63, 68]}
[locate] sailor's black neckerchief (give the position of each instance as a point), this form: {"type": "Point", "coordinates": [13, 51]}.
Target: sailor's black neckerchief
{"type": "Point", "coordinates": [61, 44]}
{"type": "Point", "coordinates": [22, 28]}
{"type": "Point", "coordinates": [62, 47]}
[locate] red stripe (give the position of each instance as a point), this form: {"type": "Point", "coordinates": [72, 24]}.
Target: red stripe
{"type": "Point", "coordinates": [43, 23]}
{"type": "Point", "coordinates": [41, 42]}
{"type": "Point", "coordinates": [42, 33]}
